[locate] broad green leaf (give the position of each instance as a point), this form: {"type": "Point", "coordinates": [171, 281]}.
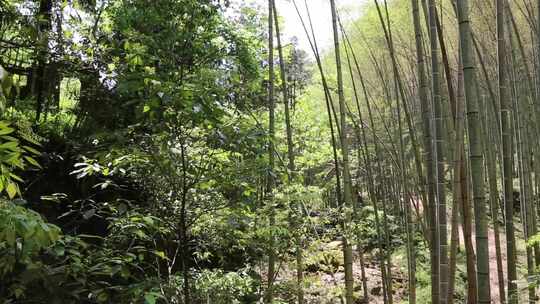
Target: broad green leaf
{"type": "Point", "coordinates": [11, 145]}
{"type": "Point", "coordinates": [31, 150]}
{"type": "Point", "coordinates": [149, 298]}
{"type": "Point", "coordinates": [102, 298]}
{"type": "Point", "coordinates": [59, 250]}
{"type": "Point", "coordinates": [10, 236]}
{"type": "Point", "coordinates": [160, 254]}
{"type": "Point", "coordinates": [16, 177]}
{"type": "Point", "coordinates": [32, 161]}
{"type": "Point", "coordinates": [11, 189]}
{"type": "Point", "coordinates": [5, 131]}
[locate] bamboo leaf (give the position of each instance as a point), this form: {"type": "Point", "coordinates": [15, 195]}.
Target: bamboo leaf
{"type": "Point", "coordinates": [12, 190]}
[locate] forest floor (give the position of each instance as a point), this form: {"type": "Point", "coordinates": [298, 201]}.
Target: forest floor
{"type": "Point", "coordinates": [521, 263]}
{"type": "Point", "coordinates": [494, 279]}
{"type": "Point", "coordinates": [334, 282]}
{"type": "Point", "coordinates": [324, 283]}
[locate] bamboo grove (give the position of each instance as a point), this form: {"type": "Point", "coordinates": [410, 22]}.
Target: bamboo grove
{"type": "Point", "coordinates": [208, 151]}
{"type": "Point", "coordinates": [434, 120]}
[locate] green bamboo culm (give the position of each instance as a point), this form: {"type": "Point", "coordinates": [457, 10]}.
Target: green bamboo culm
{"type": "Point", "coordinates": [296, 207]}
{"type": "Point", "coordinates": [269, 296]}
{"type": "Point", "coordinates": [347, 194]}
{"type": "Point", "coordinates": [438, 209]}
{"type": "Point", "coordinates": [507, 141]}
{"type": "Point", "coordinates": [476, 157]}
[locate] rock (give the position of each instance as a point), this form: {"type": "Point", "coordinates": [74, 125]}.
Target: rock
{"type": "Point", "coordinates": [312, 268]}
{"type": "Point", "coordinates": [376, 291]}
{"type": "Point", "coordinates": [328, 261]}
{"type": "Point", "coordinates": [361, 300]}
{"type": "Point", "coordinates": [314, 213]}
{"type": "Point", "coordinates": [333, 245]}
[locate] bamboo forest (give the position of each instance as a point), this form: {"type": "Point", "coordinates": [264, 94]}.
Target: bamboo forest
{"type": "Point", "coordinates": [270, 151]}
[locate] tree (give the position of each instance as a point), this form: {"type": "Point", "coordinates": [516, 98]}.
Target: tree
{"type": "Point", "coordinates": [271, 152]}
{"type": "Point", "coordinates": [296, 207]}
{"type": "Point", "coordinates": [506, 131]}
{"type": "Point", "coordinates": [438, 210]}
{"type": "Point", "coordinates": [347, 185]}
{"type": "Point", "coordinates": [475, 153]}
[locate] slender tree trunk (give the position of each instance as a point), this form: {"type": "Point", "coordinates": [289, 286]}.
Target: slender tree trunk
{"type": "Point", "coordinates": [184, 248]}
{"type": "Point", "coordinates": [362, 150]}
{"type": "Point", "coordinates": [493, 203]}
{"type": "Point", "coordinates": [522, 158]}
{"type": "Point", "coordinates": [467, 233]}
{"type": "Point", "coordinates": [269, 296]}
{"type": "Point", "coordinates": [44, 27]}
{"type": "Point", "coordinates": [458, 153]}
{"type": "Point", "coordinates": [401, 95]}
{"type": "Point", "coordinates": [439, 263]}
{"type": "Point", "coordinates": [327, 96]}
{"type": "Point", "coordinates": [296, 207]}
{"type": "Point", "coordinates": [347, 196]}
{"type": "Point", "coordinates": [475, 154]}
{"type": "Point", "coordinates": [428, 154]}
{"type": "Point", "coordinates": [371, 177]}
{"type": "Point", "coordinates": [506, 131]}
{"type": "Point", "coordinates": [363, 274]}
{"type": "Point", "coordinates": [532, 124]}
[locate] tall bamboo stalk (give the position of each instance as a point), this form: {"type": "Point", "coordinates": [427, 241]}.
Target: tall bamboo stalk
{"type": "Point", "coordinates": [475, 154]}
{"type": "Point", "coordinates": [347, 195]}
{"type": "Point", "coordinates": [290, 155]}
{"type": "Point", "coordinates": [327, 96]}
{"type": "Point", "coordinates": [439, 267]}
{"type": "Point", "coordinates": [493, 198]}
{"type": "Point", "coordinates": [363, 155]}
{"type": "Point", "coordinates": [424, 105]}
{"type": "Point", "coordinates": [506, 133]}
{"type": "Point", "coordinates": [401, 95]}
{"type": "Point", "coordinates": [269, 296]}
{"type": "Point", "coordinates": [522, 158]}
{"type": "Point", "coordinates": [458, 155]}
{"type": "Point", "coordinates": [374, 197]}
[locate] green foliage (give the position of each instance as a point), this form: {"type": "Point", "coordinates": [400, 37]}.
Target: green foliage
{"type": "Point", "coordinates": [118, 268]}
{"type": "Point", "coordinates": [122, 268]}
{"type": "Point", "coordinates": [223, 288]}
{"type": "Point", "coordinates": [534, 240]}
{"type": "Point", "coordinates": [327, 260]}
{"type": "Point", "coordinates": [226, 237]}
{"type": "Point", "coordinates": [14, 155]}
{"type": "Point", "coordinates": [5, 87]}
{"type": "Point", "coordinates": [185, 60]}
{"type": "Point", "coordinates": [23, 236]}
{"type": "Point", "coordinates": [213, 286]}
{"type": "Point", "coordinates": [367, 231]}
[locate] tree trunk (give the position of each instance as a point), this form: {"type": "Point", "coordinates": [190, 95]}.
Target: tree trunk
{"type": "Point", "coordinates": [269, 296]}
{"type": "Point", "coordinates": [44, 27]}
{"type": "Point", "coordinates": [475, 154]}
{"type": "Point", "coordinates": [347, 196]}
{"type": "Point", "coordinates": [296, 207]}
{"type": "Point", "coordinates": [506, 132]}
{"type": "Point", "coordinates": [493, 199]}
{"type": "Point", "coordinates": [439, 260]}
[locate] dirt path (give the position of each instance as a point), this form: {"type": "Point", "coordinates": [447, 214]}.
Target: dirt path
{"type": "Point", "coordinates": [493, 271]}
{"type": "Point", "coordinates": [494, 278]}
